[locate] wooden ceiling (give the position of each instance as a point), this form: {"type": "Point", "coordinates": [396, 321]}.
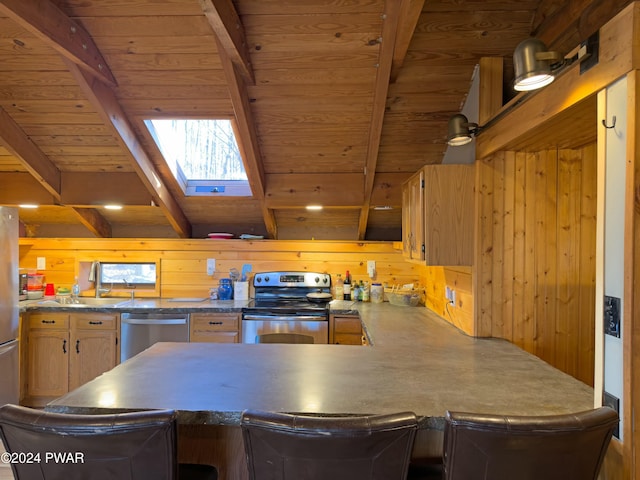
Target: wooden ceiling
{"type": "Point", "coordinates": [336, 102]}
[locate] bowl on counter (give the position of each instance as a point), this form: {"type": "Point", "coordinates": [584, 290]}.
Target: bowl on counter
{"type": "Point", "coordinates": [404, 298]}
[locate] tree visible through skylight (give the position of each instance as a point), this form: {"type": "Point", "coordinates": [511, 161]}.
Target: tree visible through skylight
{"type": "Point", "coordinates": [204, 149]}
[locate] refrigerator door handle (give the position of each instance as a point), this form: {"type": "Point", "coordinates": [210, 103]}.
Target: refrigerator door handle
{"type": "Point", "coordinates": [5, 347]}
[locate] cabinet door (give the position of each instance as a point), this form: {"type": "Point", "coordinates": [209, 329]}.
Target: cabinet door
{"type": "Point", "coordinates": [93, 352]}
{"type": "Point", "coordinates": [94, 346]}
{"type": "Point", "coordinates": [448, 214]}
{"type": "Point", "coordinates": [347, 330]}
{"type": "Point", "coordinates": [413, 217]}
{"type": "Point", "coordinates": [48, 357]}
{"type": "Point", "coordinates": [214, 327]}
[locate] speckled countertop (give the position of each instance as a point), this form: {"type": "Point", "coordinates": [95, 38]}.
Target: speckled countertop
{"type": "Point", "coordinates": [416, 362]}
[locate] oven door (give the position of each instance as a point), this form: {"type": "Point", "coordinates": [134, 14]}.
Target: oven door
{"type": "Point", "coordinates": [253, 325]}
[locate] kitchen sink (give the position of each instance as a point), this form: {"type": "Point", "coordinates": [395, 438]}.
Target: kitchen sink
{"type": "Point", "coordinates": [85, 302]}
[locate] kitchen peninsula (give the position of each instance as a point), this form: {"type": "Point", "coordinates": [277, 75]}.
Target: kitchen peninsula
{"type": "Point", "coordinates": [416, 361]}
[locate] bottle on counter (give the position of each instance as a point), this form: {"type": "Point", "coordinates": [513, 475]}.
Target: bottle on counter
{"type": "Point", "coordinates": [347, 286]}
{"type": "Point", "coordinates": [365, 292]}
{"type": "Point", "coordinates": [338, 288]}
{"type": "Point", "coordinates": [356, 292]}
{"type": "Point", "coordinates": [75, 290]}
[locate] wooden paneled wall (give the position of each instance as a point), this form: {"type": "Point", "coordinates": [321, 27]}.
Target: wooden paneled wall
{"type": "Point", "coordinates": [436, 279]}
{"type": "Point", "coordinates": [535, 254]}
{"type": "Point", "coordinates": [183, 262]}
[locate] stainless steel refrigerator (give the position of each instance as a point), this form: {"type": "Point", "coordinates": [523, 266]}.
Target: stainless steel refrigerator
{"type": "Point", "coordinates": [9, 386]}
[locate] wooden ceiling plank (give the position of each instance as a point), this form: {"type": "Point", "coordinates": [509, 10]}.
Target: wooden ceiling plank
{"type": "Point", "coordinates": [389, 28]}
{"type": "Point", "coordinates": [33, 159]}
{"type": "Point", "coordinates": [45, 20]}
{"type": "Point", "coordinates": [409, 16]}
{"type": "Point", "coordinates": [226, 24]}
{"type": "Point", "coordinates": [248, 138]}
{"type": "Point", "coordinates": [108, 108]}
{"type": "Point", "coordinates": [94, 221]}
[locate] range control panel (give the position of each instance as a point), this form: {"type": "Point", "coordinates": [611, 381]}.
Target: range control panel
{"type": "Point", "coordinates": [292, 279]}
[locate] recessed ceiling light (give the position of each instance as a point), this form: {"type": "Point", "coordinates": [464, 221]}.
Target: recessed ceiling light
{"type": "Point", "coordinates": [383, 207]}
{"type": "Point", "coordinates": [314, 207]}
{"type": "Point", "coordinates": [28, 205]}
{"type": "Point", "coordinates": [113, 207]}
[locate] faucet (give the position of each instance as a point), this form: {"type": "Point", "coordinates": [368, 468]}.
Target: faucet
{"type": "Point", "coordinates": [94, 276]}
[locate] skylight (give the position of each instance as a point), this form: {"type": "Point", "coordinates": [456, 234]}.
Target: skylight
{"type": "Point", "coordinates": [201, 154]}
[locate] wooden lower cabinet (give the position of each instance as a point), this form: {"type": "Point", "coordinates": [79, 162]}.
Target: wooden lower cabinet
{"type": "Point", "coordinates": [47, 355]}
{"type": "Point", "coordinates": [214, 327]}
{"type": "Point", "coordinates": [94, 346]}
{"type": "Point", "coordinates": [66, 350]}
{"type": "Point", "coordinates": [345, 330]}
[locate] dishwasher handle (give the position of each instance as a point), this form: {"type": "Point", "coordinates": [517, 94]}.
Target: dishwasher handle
{"type": "Point", "coordinates": [283, 318]}
{"type": "Point", "coordinates": [155, 321]}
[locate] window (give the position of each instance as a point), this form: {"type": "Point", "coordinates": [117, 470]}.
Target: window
{"type": "Point", "coordinates": [203, 155]}
{"type": "Point", "coordinates": [130, 275]}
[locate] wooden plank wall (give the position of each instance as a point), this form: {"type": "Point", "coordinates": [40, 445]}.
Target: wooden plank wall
{"type": "Point", "coordinates": [183, 262]}
{"type": "Point", "coordinates": [436, 280]}
{"type": "Point", "coordinates": [535, 254]}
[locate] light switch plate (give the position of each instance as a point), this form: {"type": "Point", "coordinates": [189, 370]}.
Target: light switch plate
{"type": "Point", "coordinates": [211, 266]}
{"type": "Point", "coordinates": [371, 268]}
{"type": "Point", "coordinates": [41, 263]}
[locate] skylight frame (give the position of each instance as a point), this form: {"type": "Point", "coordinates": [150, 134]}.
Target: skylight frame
{"type": "Point", "coordinates": [203, 187]}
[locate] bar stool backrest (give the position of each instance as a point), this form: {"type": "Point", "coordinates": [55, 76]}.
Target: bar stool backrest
{"type": "Point", "coordinates": [499, 447]}
{"type": "Point", "coordinates": [281, 446]}
{"type": "Point", "coordinates": [125, 446]}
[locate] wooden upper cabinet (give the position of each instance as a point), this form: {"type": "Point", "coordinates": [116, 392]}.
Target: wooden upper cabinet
{"type": "Point", "coordinates": [439, 216]}
{"type": "Point", "coordinates": [413, 217]}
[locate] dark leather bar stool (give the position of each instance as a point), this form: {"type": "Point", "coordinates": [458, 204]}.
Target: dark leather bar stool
{"type": "Point", "coordinates": [127, 446]}
{"type": "Point", "coordinates": [501, 447]}
{"type": "Point", "coordinates": [284, 338]}
{"type": "Point", "coordinates": [280, 446]}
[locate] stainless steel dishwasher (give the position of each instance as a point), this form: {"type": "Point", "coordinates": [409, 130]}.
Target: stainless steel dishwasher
{"type": "Point", "coordinates": [141, 330]}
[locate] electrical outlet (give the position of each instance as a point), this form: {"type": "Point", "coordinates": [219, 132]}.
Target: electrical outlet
{"type": "Point", "coordinates": [41, 263]}
{"type": "Point", "coordinates": [453, 297]}
{"type": "Point", "coordinates": [450, 295]}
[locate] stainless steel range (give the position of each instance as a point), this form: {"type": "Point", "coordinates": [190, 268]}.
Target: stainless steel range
{"type": "Point", "coordinates": [281, 306]}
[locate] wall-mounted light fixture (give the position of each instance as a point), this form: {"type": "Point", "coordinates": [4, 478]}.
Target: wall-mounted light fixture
{"type": "Point", "coordinates": [534, 66]}
{"type": "Point", "coordinates": [460, 130]}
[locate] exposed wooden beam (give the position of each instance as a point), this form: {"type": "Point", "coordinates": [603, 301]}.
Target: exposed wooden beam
{"type": "Point", "coordinates": [248, 138]}
{"type": "Point", "coordinates": [389, 29]}
{"type": "Point", "coordinates": [35, 161]}
{"type": "Point", "coordinates": [226, 24]}
{"type": "Point", "coordinates": [290, 190]}
{"type": "Point", "coordinates": [409, 15]}
{"type": "Point", "coordinates": [46, 21]}
{"type": "Point", "coordinates": [21, 187]}
{"type": "Point", "coordinates": [89, 189]}
{"type": "Point", "coordinates": [94, 221]}
{"type": "Point", "coordinates": [104, 101]}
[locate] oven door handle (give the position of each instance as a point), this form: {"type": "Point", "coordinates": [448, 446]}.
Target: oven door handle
{"type": "Point", "coordinates": [284, 318]}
